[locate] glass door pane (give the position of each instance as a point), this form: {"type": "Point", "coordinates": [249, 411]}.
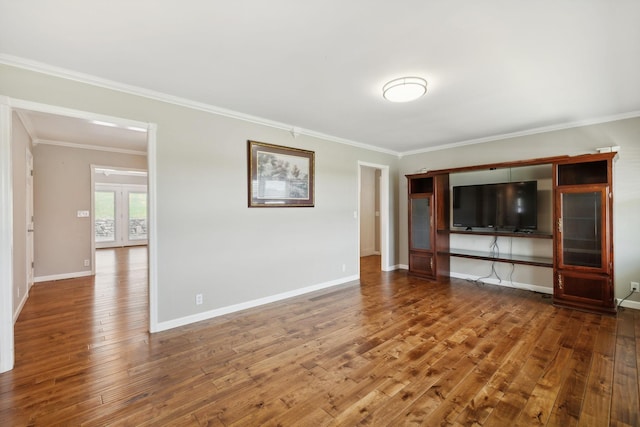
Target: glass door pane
{"type": "Point", "coordinates": [137, 215]}
{"type": "Point", "coordinates": [421, 223]}
{"type": "Point", "coordinates": [582, 229]}
{"type": "Point", "coordinates": [105, 216]}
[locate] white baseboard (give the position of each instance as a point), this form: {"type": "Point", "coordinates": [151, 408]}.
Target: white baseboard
{"type": "Point", "coordinates": [534, 288]}
{"type": "Point", "coordinates": [62, 276]}
{"type": "Point", "coordinates": [506, 283]}
{"type": "Point", "coordinates": [629, 304]}
{"type": "Point", "coordinates": [402, 267]}
{"type": "Point", "coordinates": [16, 313]}
{"type": "Point", "coordinates": [163, 326]}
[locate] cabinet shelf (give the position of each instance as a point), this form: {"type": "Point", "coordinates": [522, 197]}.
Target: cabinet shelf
{"type": "Point", "coordinates": [574, 242]}
{"type": "Point", "coordinates": [581, 251]}
{"type": "Point", "coordinates": [532, 235]}
{"type": "Point", "coordinates": [507, 258]}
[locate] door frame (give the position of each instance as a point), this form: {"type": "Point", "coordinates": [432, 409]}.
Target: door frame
{"type": "Point", "coordinates": [385, 263]}
{"type": "Point", "coordinates": [6, 239]}
{"type": "Point", "coordinates": [30, 255]}
{"type": "Point", "coordinates": [7, 105]}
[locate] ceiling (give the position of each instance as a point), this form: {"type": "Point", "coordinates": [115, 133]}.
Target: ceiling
{"type": "Point", "coordinates": [47, 128]}
{"type": "Point", "coordinates": [494, 68]}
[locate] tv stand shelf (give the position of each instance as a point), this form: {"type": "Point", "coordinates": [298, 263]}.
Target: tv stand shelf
{"type": "Point", "coordinates": [508, 258]}
{"type": "Point", "coordinates": [503, 234]}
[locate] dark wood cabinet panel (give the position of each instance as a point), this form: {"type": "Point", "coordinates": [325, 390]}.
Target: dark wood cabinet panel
{"type": "Point", "coordinates": [583, 274]}
{"type": "Point", "coordinates": [428, 197]}
{"type": "Point", "coordinates": [582, 258]}
{"type": "Point", "coordinates": [421, 263]}
{"type": "Point", "coordinates": [584, 291]}
{"type": "Point", "coordinates": [584, 173]}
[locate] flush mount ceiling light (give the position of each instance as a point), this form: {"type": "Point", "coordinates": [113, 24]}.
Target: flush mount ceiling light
{"type": "Point", "coordinates": [404, 89]}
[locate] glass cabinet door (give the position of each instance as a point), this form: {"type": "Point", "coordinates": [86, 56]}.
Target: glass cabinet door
{"type": "Point", "coordinates": [581, 227]}
{"type": "Point", "coordinates": [421, 223]}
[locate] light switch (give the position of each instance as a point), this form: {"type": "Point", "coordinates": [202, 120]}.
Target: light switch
{"type": "Point", "coordinates": [83, 214]}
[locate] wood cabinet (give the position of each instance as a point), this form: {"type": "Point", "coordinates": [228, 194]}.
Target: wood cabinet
{"type": "Point", "coordinates": [428, 210]}
{"type": "Point", "coordinates": [583, 267]}
{"type": "Point", "coordinates": [582, 258]}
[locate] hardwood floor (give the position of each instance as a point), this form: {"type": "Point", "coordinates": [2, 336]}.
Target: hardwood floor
{"type": "Point", "coordinates": [393, 350]}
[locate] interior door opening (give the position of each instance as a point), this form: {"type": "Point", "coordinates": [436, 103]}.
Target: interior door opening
{"type": "Point", "coordinates": [36, 110]}
{"type": "Point", "coordinates": [373, 212]}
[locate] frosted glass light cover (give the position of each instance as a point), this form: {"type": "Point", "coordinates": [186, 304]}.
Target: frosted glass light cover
{"type": "Point", "coordinates": [404, 89]}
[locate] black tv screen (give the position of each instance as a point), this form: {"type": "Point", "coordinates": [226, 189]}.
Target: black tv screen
{"type": "Point", "coordinates": [507, 206]}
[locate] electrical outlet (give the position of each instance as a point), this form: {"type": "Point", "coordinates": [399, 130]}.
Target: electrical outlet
{"type": "Point", "coordinates": [198, 299]}
{"type": "Point", "coordinates": [635, 286]}
{"type": "Point", "coordinates": [86, 263]}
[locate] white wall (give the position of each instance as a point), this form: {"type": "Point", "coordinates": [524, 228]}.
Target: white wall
{"type": "Point", "coordinates": [580, 140]}
{"type": "Point", "coordinates": [208, 240]}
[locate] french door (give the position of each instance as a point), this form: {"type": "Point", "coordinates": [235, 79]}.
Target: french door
{"type": "Point", "coordinates": [120, 215]}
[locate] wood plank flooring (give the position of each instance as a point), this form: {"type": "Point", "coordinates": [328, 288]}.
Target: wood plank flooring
{"type": "Point", "coordinates": [393, 350]}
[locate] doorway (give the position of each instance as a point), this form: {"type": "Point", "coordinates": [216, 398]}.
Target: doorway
{"type": "Point", "coordinates": [7, 106]}
{"type": "Point", "coordinates": [373, 212]}
{"type": "Point", "coordinates": [369, 211]}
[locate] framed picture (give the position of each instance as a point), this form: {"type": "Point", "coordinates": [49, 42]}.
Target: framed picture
{"type": "Point", "coordinates": [279, 176]}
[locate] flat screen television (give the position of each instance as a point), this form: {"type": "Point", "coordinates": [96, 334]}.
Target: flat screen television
{"type": "Point", "coordinates": [508, 206]}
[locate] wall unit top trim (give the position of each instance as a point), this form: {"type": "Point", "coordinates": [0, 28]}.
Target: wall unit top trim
{"type": "Point", "coordinates": [521, 163]}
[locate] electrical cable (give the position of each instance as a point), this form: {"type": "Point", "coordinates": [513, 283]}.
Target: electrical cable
{"type": "Point", "coordinates": [623, 299]}
{"type": "Point", "coordinates": [495, 253]}
{"type": "Point", "coordinates": [513, 268]}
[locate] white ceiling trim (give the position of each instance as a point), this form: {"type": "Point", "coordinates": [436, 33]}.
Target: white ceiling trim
{"type": "Point", "coordinates": [27, 123]}
{"type": "Point", "coordinates": [294, 130]}
{"type": "Point", "coordinates": [51, 70]}
{"type": "Point", "coordinates": [535, 131]}
{"type": "Point", "coordinates": [88, 147]}
{"type": "Point", "coordinates": [20, 104]}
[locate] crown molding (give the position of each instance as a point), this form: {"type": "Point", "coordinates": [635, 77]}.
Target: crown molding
{"type": "Point", "coordinates": [27, 123]}
{"type": "Point", "coordinates": [563, 126]}
{"type": "Point", "coordinates": [88, 147]}
{"type": "Point", "coordinates": [51, 70]}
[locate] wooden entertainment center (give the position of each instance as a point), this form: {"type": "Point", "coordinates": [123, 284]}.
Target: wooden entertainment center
{"type": "Point", "coordinates": [582, 228]}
